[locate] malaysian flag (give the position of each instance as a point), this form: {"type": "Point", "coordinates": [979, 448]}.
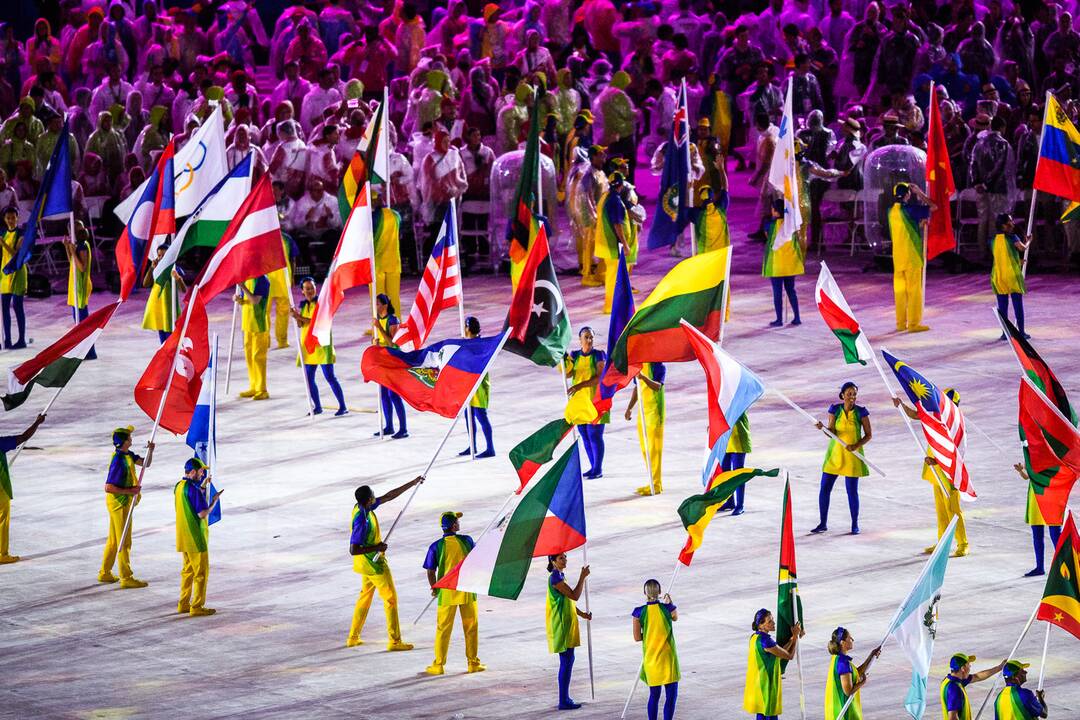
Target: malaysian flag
{"type": "Point", "coordinates": [440, 287]}
{"type": "Point", "coordinates": [941, 420]}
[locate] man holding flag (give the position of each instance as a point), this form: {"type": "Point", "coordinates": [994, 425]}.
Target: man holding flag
{"type": "Point", "coordinates": [7, 444]}
{"type": "Point", "coordinates": [954, 698]}
{"type": "Point", "coordinates": [193, 536]}
{"type": "Point", "coordinates": [908, 214]}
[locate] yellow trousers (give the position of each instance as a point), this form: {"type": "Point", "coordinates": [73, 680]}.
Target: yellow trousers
{"type": "Point", "coordinates": [652, 433]}
{"type": "Point", "coordinates": [384, 584]}
{"type": "Point", "coordinates": [255, 346]}
{"type": "Point", "coordinates": [907, 286]}
{"type": "Point", "coordinates": [444, 627]}
{"type": "Point", "coordinates": [611, 272]}
{"type": "Point", "coordinates": [585, 245]}
{"type": "Point", "coordinates": [5, 522]}
{"type": "Point", "coordinates": [281, 319]}
{"type": "Point", "coordinates": [390, 283]}
{"type": "Point", "coordinates": [113, 553]}
{"type": "Point", "coordinates": [946, 508]}
{"type": "Point", "coordinates": [193, 579]}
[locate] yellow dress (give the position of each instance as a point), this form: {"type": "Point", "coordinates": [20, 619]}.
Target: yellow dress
{"type": "Point", "coordinates": [1007, 275]}
{"type": "Point", "coordinates": [14, 283]}
{"type": "Point", "coordinates": [79, 284]}
{"type": "Point", "coordinates": [848, 427]}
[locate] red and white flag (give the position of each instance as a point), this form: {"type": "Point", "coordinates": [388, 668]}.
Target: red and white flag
{"type": "Point", "coordinates": [353, 265]}
{"type": "Point", "coordinates": [250, 247]}
{"type": "Point", "coordinates": [944, 433]}
{"type": "Point", "coordinates": [440, 287]}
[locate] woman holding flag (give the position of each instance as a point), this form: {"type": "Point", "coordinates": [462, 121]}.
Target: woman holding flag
{"type": "Point", "coordinates": [583, 367]}
{"type": "Point", "coordinates": [783, 261]}
{"type": "Point", "coordinates": [850, 423]}
{"type": "Point", "coordinates": [735, 459]}
{"type": "Point", "coordinates": [660, 662]}
{"type": "Point", "coordinates": [163, 306]}
{"type": "Point", "coordinates": [322, 356]}
{"type": "Point", "coordinates": [762, 696]}
{"type": "Point", "coordinates": [650, 391]}
{"type": "Point", "coordinates": [616, 227]}
{"type": "Point", "coordinates": [478, 405]}
{"type": "Point", "coordinates": [12, 285]}
{"type": "Point", "coordinates": [1007, 272]}
{"type": "Point", "coordinates": [386, 325]}
{"type": "Point", "coordinates": [845, 678]}
{"type": "Point", "coordinates": [562, 623]}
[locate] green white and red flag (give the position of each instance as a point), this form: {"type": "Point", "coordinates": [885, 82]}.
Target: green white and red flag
{"type": "Point", "coordinates": [838, 316]}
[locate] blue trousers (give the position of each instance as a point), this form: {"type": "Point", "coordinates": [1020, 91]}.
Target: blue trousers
{"type": "Point", "coordinates": [671, 694]}
{"type": "Point", "coordinates": [566, 668]}
{"type": "Point", "coordinates": [1038, 542]}
{"type": "Point", "coordinates": [827, 482]}
{"type": "Point", "coordinates": [787, 284]}
{"type": "Point", "coordinates": [78, 315]}
{"type": "Point", "coordinates": [734, 461]}
{"type": "Point", "coordinates": [163, 335]}
{"type": "Point", "coordinates": [593, 438]}
{"type": "Point", "coordinates": [766, 717]}
{"type": "Point", "coordinates": [479, 416]}
{"type": "Point", "coordinates": [391, 400]}
{"type": "Point", "coordinates": [331, 380]}
{"type": "Point", "coordinates": [10, 302]}
{"type": "Point", "coordinates": [1018, 308]}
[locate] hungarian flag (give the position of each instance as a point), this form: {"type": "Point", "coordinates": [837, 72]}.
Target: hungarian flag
{"type": "Point", "coordinates": [353, 265]}
{"type": "Point", "coordinates": [1056, 439]}
{"type": "Point", "coordinates": [370, 163]}
{"type": "Point", "coordinates": [182, 360]}
{"type": "Point", "coordinates": [940, 186]}
{"type": "Point", "coordinates": [692, 291]}
{"type": "Point", "coordinates": [529, 455]}
{"type": "Point", "coordinates": [251, 245]}
{"type": "Point", "coordinates": [550, 519]}
{"type": "Point", "coordinates": [54, 366]}
{"type": "Point", "coordinates": [788, 602]}
{"type": "Point", "coordinates": [696, 511]}
{"type": "Point", "coordinates": [541, 327]}
{"type": "Point", "coordinates": [838, 316]}
{"type": "Point", "coordinates": [519, 232]}
{"type": "Point", "coordinates": [440, 378]}
{"type": "Point", "coordinates": [1060, 603]}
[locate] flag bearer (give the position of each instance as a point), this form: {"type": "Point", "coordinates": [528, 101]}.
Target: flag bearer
{"type": "Point", "coordinates": [7, 444]}
{"type": "Point", "coordinates": [162, 307]}
{"type": "Point", "coordinates": [650, 390]}
{"type": "Point", "coordinates": [710, 219]}
{"type": "Point", "coordinates": [386, 228]}
{"type": "Point", "coordinates": [782, 263]}
{"type": "Point", "coordinates": [738, 447]}
{"type": "Point", "coordinates": [193, 536]}
{"type": "Point", "coordinates": [908, 214]}
{"type": "Point", "coordinates": [1007, 272]}
{"type": "Point", "coordinates": [279, 294]}
{"type": "Point", "coordinates": [121, 495]}
{"type": "Point", "coordinates": [954, 697]}
{"type": "Point", "coordinates": [562, 623]}
{"type": "Point", "coordinates": [1034, 517]}
{"type": "Point", "coordinates": [850, 423]}
{"type": "Point", "coordinates": [12, 285]}
{"type": "Point", "coordinates": [253, 296]}
{"type": "Point", "coordinates": [660, 661]}
{"type": "Point", "coordinates": [583, 367]}
{"type": "Point", "coordinates": [443, 556]}
{"type": "Point", "coordinates": [845, 678]}
{"type": "Point", "coordinates": [80, 255]}
{"type": "Point", "coordinates": [616, 227]}
{"type": "Point", "coordinates": [1016, 702]}
{"type": "Point", "coordinates": [478, 405]}
{"type": "Point", "coordinates": [385, 326]}
{"type": "Point", "coordinates": [323, 356]}
{"type": "Point", "coordinates": [762, 696]}
{"type": "Point", "coordinates": [369, 559]}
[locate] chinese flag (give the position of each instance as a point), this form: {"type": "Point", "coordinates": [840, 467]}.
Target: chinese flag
{"type": "Point", "coordinates": [939, 184]}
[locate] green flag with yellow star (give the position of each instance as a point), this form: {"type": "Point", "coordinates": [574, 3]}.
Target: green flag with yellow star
{"type": "Point", "coordinates": [1061, 599]}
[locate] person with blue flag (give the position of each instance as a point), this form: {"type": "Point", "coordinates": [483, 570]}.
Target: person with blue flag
{"type": "Point", "coordinates": [12, 281]}
{"type": "Point", "coordinates": [79, 254]}
{"type": "Point", "coordinates": [193, 506]}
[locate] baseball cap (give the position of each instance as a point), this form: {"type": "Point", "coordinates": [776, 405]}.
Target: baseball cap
{"type": "Point", "coordinates": [447, 519]}
{"type": "Point", "coordinates": [959, 660]}
{"type": "Point", "coordinates": [194, 464]}
{"type": "Point", "coordinates": [1014, 666]}
{"type": "Point", "coordinates": [119, 434]}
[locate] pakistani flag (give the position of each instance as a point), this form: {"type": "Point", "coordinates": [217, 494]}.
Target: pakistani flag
{"type": "Point", "coordinates": [54, 366]}
{"type": "Point", "coordinates": [915, 624]}
{"type": "Point", "coordinates": [205, 226]}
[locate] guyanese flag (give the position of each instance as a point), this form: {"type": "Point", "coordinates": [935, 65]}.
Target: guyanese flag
{"type": "Point", "coordinates": [368, 164]}
{"type": "Point", "coordinates": [696, 511]}
{"type": "Point", "coordinates": [1061, 597]}
{"type": "Point", "coordinates": [692, 291]}
{"type": "Point", "coordinates": [788, 602]}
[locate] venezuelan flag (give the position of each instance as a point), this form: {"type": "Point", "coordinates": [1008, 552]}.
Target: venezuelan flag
{"type": "Point", "coordinates": [1058, 169]}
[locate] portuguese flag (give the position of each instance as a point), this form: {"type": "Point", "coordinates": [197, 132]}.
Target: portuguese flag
{"type": "Point", "coordinates": [788, 602]}
{"type": "Point", "coordinates": [697, 511]}
{"type": "Point", "coordinates": [537, 310]}
{"type": "Point", "coordinates": [1061, 598]}
{"type": "Point", "coordinates": [550, 519]}
{"type": "Point", "coordinates": [692, 291]}
{"type": "Point", "coordinates": [54, 366]}
{"type": "Point", "coordinates": [838, 316]}
{"type": "Point", "coordinates": [534, 451]}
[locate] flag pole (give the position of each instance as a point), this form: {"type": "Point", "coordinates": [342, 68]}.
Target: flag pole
{"type": "Point", "coordinates": [726, 298]}
{"type": "Point", "coordinates": [1012, 652]}
{"type": "Point", "coordinates": [71, 230]}
{"type": "Point", "coordinates": [689, 173]}
{"type": "Point", "coordinates": [211, 439]}
{"type": "Point", "coordinates": [644, 433]}
{"type": "Point", "coordinates": [637, 677]}
{"type": "Point", "coordinates": [382, 125]}
{"type": "Point", "coordinates": [926, 225]}
{"type": "Point", "coordinates": [299, 339]}
{"type": "Point", "coordinates": [1030, 229]}
{"type": "Point", "coordinates": [160, 411]}
{"type": "Point", "coordinates": [470, 420]}
{"type": "Point", "coordinates": [232, 346]}
{"type": "Point", "coordinates": [825, 429]}
{"type": "Point", "coordinates": [373, 291]}
{"type": "Point", "coordinates": [42, 413]}
{"type": "Point", "coordinates": [1042, 664]}
{"type": "Point", "coordinates": [795, 606]}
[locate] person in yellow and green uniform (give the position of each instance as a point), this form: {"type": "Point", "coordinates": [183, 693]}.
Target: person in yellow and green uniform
{"type": "Point", "coordinates": [710, 220]}
{"type": "Point", "coordinates": [562, 622]}
{"type": "Point", "coordinates": [163, 305]}
{"type": "Point", "coordinates": [649, 389]}
{"type": "Point", "coordinates": [783, 261]}
{"type": "Point", "coordinates": [907, 215]}
{"type": "Point", "coordinates": [763, 696]}
{"type": "Point", "coordinates": [369, 560]}
{"type": "Point", "coordinates": [583, 367]}
{"type": "Point", "coordinates": [615, 227]}
{"type": "Point", "coordinates": [7, 444]}
{"type": "Point", "coordinates": [121, 495]}
{"type": "Point", "coordinates": [385, 326]}
{"type": "Point", "coordinates": [443, 555]}
{"type": "Point", "coordinates": [386, 227]}
{"type": "Point", "coordinates": [738, 447]}
{"type": "Point", "coordinates": [1016, 702]}
{"type": "Point", "coordinates": [253, 296]}
{"type": "Point", "coordinates": [660, 661]}
{"type": "Point", "coordinates": [845, 678]}
{"type": "Point", "coordinates": [850, 423]}
{"type": "Point", "coordinates": [1034, 517]}
{"type": "Point", "coordinates": [1007, 272]}
{"type": "Point", "coordinates": [954, 698]}
{"type": "Point", "coordinates": [477, 412]}
{"type": "Point", "coordinates": [945, 506]}
{"type": "Point", "coordinates": [279, 294]}
{"type": "Point", "coordinates": [80, 255]}
{"type": "Point", "coordinates": [193, 537]}
{"type": "Point", "coordinates": [12, 285]}
{"type": "Point", "coordinates": [323, 356]}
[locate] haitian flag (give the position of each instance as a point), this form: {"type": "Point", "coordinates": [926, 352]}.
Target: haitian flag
{"type": "Point", "coordinates": [440, 378]}
{"type": "Point", "coordinates": [673, 213]}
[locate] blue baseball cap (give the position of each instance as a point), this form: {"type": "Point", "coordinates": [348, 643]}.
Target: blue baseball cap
{"type": "Point", "coordinates": [447, 519]}
{"type": "Point", "coordinates": [1012, 667]}
{"type": "Point", "coordinates": [194, 464]}
{"type": "Point", "coordinates": [959, 660]}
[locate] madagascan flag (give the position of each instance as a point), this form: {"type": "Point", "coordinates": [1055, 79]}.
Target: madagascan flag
{"type": "Point", "coordinates": [529, 455]}
{"type": "Point", "coordinates": [788, 602]}
{"type": "Point", "coordinates": [1061, 597]}
{"type": "Point", "coordinates": [838, 316]}
{"type": "Point", "coordinates": [696, 511]}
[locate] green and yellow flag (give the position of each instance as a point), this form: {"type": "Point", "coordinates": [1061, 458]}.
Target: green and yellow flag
{"type": "Point", "coordinates": [788, 602]}
{"type": "Point", "coordinates": [1061, 598]}
{"type": "Point", "coordinates": [696, 511]}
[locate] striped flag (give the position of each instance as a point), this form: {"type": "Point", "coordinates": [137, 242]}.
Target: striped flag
{"type": "Point", "coordinates": [942, 423]}
{"type": "Point", "coordinates": [788, 602]}
{"type": "Point", "coordinates": [53, 198]}
{"type": "Point", "coordinates": [440, 287]}
{"type": "Point", "coordinates": [838, 316]}
{"type": "Point", "coordinates": [783, 175]}
{"type": "Point", "coordinates": [370, 163]}
{"type": "Point", "coordinates": [697, 511]}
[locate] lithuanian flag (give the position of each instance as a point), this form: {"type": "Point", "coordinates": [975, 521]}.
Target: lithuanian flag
{"type": "Point", "coordinates": [1061, 598]}
{"type": "Point", "coordinates": [696, 511]}
{"type": "Point", "coordinates": [692, 291]}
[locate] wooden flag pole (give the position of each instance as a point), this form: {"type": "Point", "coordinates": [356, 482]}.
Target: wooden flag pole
{"type": "Point", "coordinates": [232, 346]}
{"type": "Point", "coordinates": [641, 665]}
{"type": "Point", "coordinates": [1012, 652]}
{"type": "Point", "coordinates": [1030, 229]}
{"type": "Point", "coordinates": [825, 429]}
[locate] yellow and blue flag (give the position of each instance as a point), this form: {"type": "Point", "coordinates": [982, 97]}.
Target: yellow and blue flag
{"type": "Point", "coordinates": [673, 211]}
{"type": "Point", "coordinates": [53, 199]}
{"type": "Point", "coordinates": [1058, 169]}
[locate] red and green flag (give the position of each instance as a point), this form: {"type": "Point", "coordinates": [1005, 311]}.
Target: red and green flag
{"type": "Point", "coordinates": [1052, 439]}
{"type": "Point", "coordinates": [519, 232]}
{"type": "Point", "coordinates": [529, 455]}
{"type": "Point", "coordinates": [537, 314]}
{"type": "Point", "coordinates": [370, 163]}
{"type": "Point", "coordinates": [838, 316]}
{"type": "Point", "coordinates": [1060, 603]}
{"type": "Point", "coordinates": [788, 602]}
{"type": "Point", "coordinates": [696, 511]}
